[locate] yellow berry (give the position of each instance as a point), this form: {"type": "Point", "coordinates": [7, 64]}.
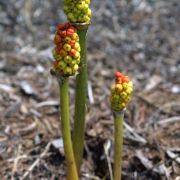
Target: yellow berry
{"type": "Point", "coordinates": [67, 47]}
{"type": "Point", "coordinates": [77, 47]}
{"type": "Point", "coordinates": [119, 87]}
{"type": "Point", "coordinates": [130, 84]}
{"type": "Point", "coordinates": [75, 68]}
{"type": "Point", "coordinates": [68, 70]}
{"type": "Point", "coordinates": [89, 13]}
{"type": "Point", "coordinates": [129, 90]}
{"type": "Point", "coordinates": [77, 55]}
{"type": "Point", "coordinates": [87, 1]}
{"type": "Point", "coordinates": [75, 37]}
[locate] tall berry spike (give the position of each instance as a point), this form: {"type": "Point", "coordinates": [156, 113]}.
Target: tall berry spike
{"type": "Point", "coordinates": [67, 50]}
{"type": "Point", "coordinates": [121, 92]}
{"type": "Point", "coordinates": [77, 11]}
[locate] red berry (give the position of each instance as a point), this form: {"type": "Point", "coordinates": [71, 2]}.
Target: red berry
{"type": "Point", "coordinates": [55, 63]}
{"type": "Point", "coordinates": [60, 46]}
{"type": "Point", "coordinates": [56, 49]}
{"type": "Point", "coordinates": [67, 25]}
{"type": "Point", "coordinates": [60, 27]}
{"type": "Point", "coordinates": [118, 74]}
{"type": "Point", "coordinates": [57, 39]}
{"type": "Point", "coordinates": [63, 26]}
{"type": "Point", "coordinates": [62, 33]}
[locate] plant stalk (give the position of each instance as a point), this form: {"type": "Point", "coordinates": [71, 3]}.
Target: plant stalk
{"type": "Point", "coordinates": [80, 98]}
{"type": "Point", "coordinates": [66, 131]}
{"type": "Point", "coordinates": [118, 144]}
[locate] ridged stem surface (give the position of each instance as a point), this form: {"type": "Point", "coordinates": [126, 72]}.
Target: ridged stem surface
{"type": "Point", "coordinates": [118, 145]}
{"type": "Point", "coordinates": [80, 101]}
{"type": "Point", "coordinates": [66, 130]}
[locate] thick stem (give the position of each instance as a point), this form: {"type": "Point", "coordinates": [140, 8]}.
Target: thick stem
{"type": "Point", "coordinates": [80, 101]}
{"type": "Point", "coordinates": [66, 132]}
{"type": "Point", "coordinates": [118, 144]}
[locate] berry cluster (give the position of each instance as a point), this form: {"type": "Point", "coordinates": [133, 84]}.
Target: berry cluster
{"type": "Point", "coordinates": [67, 50]}
{"type": "Point", "coordinates": [121, 92]}
{"type": "Point", "coordinates": [77, 11]}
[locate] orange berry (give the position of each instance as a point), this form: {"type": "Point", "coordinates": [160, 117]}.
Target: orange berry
{"type": "Point", "coordinates": [70, 32]}
{"type": "Point", "coordinates": [125, 79]}
{"type": "Point", "coordinates": [72, 52]}
{"type": "Point", "coordinates": [72, 43]}
{"type": "Point", "coordinates": [118, 81]}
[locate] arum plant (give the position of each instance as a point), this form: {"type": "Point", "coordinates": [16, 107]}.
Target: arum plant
{"type": "Point", "coordinates": [120, 96]}
{"type": "Point", "coordinates": [67, 60]}
{"type": "Point", "coordinates": [79, 14]}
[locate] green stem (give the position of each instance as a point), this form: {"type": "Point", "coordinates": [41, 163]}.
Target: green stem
{"type": "Point", "coordinates": [118, 144]}
{"type": "Point", "coordinates": [66, 132]}
{"type": "Point", "coordinates": [80, 99]}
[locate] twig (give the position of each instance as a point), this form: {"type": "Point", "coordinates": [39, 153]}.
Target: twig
{"type": "Point", "coordinates": [36, 162]}
{"type": "Point", "coordinates": [88, 176]}
{"type": "Point", "coordinates": [47, 103]}
{"type": "Point", "coordinates": [90, 93]}
{"type": "Point", "coordinates": [173, 156]}
{"type": "Point", "coordinates": [160, 169]}
{"type": "Point", "coordinates": [16, 160]}
{"type": "Point", "coordinates": [169, 120]}
{"type": "Point", "coordinates": [137, 136]}
{"type": "Point", "coordinates": [106, 149]}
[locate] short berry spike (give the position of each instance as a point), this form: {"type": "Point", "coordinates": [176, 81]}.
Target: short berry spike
{"type": "Point", "coordinates": [121, 92]}
{"type": "Point", "coordinates": [78, 11]}
{"type": "Point", "coordinates": [67, 50]}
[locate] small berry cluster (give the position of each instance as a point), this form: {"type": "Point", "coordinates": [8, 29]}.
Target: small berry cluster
{"type": "Point", "coordinates": [67, 50]}
{"type": "Point", "coordinates": [121, 92]}
{"type": "Point", "coordinates": [78, 11]}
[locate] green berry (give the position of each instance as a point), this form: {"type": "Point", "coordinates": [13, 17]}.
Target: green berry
{"type": "Point", "coordinates": [61, 65]}
{"type": "Point", "coordinates": [68, 59]}
{"type": "Point", "coordinates": [78, 60]}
